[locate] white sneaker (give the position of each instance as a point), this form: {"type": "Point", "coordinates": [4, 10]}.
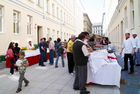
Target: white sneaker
{"type": "Point", "coordinates": [71, 74]}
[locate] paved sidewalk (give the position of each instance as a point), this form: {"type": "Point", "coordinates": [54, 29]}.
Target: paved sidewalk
{"type": "Point", "coordinates": [132, 81]}
{"type": "Point", "coordinates": [48, 80]}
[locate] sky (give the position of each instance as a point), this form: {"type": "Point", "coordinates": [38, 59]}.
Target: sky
{"type": "Point", "coordinates": [94, 9]}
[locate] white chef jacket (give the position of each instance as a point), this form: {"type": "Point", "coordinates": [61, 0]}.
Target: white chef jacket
{"type": "Point", "coordinates": [128, 45]}
{"type": "Point", "coordinates": [30, 47]}
{"type": "Point", "coordinates": [137, 42]}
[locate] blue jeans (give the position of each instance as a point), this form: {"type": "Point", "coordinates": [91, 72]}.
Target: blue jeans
{"type": "Point", "coordinates": [57, 58]}
{"type": "Point", "coordinates": [134, 58]}
{"type": "Point", "coordinates": [51, 57]}
{"type": "Point", "coordinates": [138, 57]}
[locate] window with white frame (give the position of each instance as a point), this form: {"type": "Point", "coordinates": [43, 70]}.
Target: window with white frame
{"type": "Point", "coordinates": [57, 34]}
{"type": "Point", "coordinates": [132, 14]}
{"type": "Point", "coordinates": [53, 34]}
{"type": "Point", "coordinates": [64, 17]}
{"type": "Point", "coordinates": [1, 19]}
{"type": "Point", "coordinates": [29, 24]}
{"type": "Point", "coordinates": [126, 18]}
{"type": "Point", "coordinates": [16, 22]}
{"type": "Point", "coordinates": [139, 10]}
{"type": "Point", "coordinates": [48, 5]}
{"type": "Point", "coordinates": [48, 33]}
{"type": "Point", "coordinates": [53, 10]}
{"type": "Point", "coordinates": [61, 15]}
{"type": "Point", "coordinates": [31, 1]}
{"type": "Point", "coordinates": [57, 12]}
{"type": "Point", "coordinates": [38, 2]}
{"type": "Point", "coordinates": [61, 35]}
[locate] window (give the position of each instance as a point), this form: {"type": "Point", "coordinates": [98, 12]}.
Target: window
{"type": "Point", "coordinates": [61, 15]}
{"type": "Point", "coordinates": [38, 2]}
{"type": "Point", "coordinates": [57, 34]}
{"type": "Point", "coordinates": [64, 16]}
{"type": "Point", "coordinates": [53, 34]}
{"type": "Point", "coordinates": [1, 19]}
{"type": "Point", "coordinates": [125, 14]}
{"type": "Point", "coordinates": [31, 1]}
{"type": "Point", "coordinates": [16, 22]}
{"type": "Point", "coordinates": [29, 24]}
{"type": "Point", "coordinates": [57, 12]}
{"type": "Point", "coordinates": [139, 10]}
{"type": "Point", "coordinates": [48, 5]}
{"type": "Point", "coordinates": [132, 14]}
{"type": "Point", "coordinates": [53, 10]}
{"type": "Point", "coordinates": [48, 33]}
{"type": "Point", "coordinates": [61, 35]}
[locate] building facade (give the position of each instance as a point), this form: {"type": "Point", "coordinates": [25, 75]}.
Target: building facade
{"type": "Point", "coordinates": [29, 20]}
{"type": "Point", "coordinates": [87, 24]}
{"type": "Point", "coordinates": [126, 16]}
{"type": "Point", "coordinates": [97, 29]}
{"type": "Point", "coordinates": [109, 9]}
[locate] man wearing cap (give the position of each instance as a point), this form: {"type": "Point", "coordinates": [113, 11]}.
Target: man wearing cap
{"type": "Point", "coordinates": [137, 50]}
{"type": "Point", "coordinates": [129, 47]}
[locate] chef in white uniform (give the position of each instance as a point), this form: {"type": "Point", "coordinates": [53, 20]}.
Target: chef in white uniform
{"type": "Point", "coordinates": [129, 47]}
{"type": "Point", "coordinates": [136, 57]}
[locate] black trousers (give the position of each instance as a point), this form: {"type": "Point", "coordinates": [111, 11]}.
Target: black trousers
{"type": "Point", "coordinates": [80, 77]}
{"type": "Point", "coordinates": [42, 55]}
{"type": "Point", "coordinates": [130, 57]}
{"type": "Point", "coordinates": [45, 56]}
{"type": "Point", "coordinates": [70, 62]}
{"type": "Point", "coordinates": [12, 66]}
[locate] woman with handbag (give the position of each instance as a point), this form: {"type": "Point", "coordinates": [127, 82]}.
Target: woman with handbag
{"type": "Point", "coordinates": [59, 52]}
{"type": "Point", "coordinates": [10, 55]}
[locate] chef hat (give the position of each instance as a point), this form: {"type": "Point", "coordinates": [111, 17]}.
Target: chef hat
{"type": "Point", "coordinates": [134, 32]}
{"type": "Point", "coordinates": [127, 31]}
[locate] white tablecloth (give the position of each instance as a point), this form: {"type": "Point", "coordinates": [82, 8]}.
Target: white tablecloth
{"type": "Point", "coordinates": [102, 71]}
{"type": "Point", "coordinates": [30, 53]}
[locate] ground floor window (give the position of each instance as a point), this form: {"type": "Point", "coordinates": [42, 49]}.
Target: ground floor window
{"type": "Point", "coordinates": [1, 18]}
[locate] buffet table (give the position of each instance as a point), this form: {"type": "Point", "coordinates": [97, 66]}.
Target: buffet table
{"type": "Point", "coordinates": [103, 69]}
{"type": "Point", "coordinates": [33, 57]}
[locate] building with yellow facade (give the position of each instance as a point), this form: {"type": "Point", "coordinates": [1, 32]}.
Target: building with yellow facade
{"type": "Point", "coordinates": [87, 23]}
{"type": "Point", "coordinates": [29, 20]}
{"type": "Point", "coordinates": [125, 16]}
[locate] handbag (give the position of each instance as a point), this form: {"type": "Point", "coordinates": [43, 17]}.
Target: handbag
{"type": "Point", "coordinates": [9, 54]}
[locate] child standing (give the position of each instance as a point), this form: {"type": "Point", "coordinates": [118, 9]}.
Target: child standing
{"type": "Point", "coordinates": [22, 63]}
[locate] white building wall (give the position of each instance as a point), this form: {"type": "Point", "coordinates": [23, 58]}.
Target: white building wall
{"type": "Point", "coordinates": [50, 25]}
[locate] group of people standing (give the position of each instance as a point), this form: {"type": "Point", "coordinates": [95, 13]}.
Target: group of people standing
{"type": "Point", "coordinates": [78, 50]}
{"type": "Point", "coordinates": [13, 54]}
{"type": "Point", "coordinates": [131, 51]}
{"type": "Point", "coordinates": [57, 47]}
{"type": "Point", "coordinates": [77, 54]}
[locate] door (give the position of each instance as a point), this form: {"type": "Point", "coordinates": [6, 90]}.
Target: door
{"type": "Point", "coordinates": [39, 33]}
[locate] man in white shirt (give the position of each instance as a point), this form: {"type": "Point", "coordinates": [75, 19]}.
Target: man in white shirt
{"type": "Point", "coordinates": [51, 49]}
{"type": "Point", "coordinates": [80, 56]}
{"type": "Point", "coordinates": [87, 40]}
{"type": "Point", "coordinates": [30, 46]}
{"type": "Point", "coordinates": [137, 51]}
{"type": "Point", "coordinates": [129, 50]}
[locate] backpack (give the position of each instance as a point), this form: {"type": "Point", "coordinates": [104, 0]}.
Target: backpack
{"type": "Point", "coordinates": [9, 54]}
{"type": "Point", "coordinates": [61, 49]}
